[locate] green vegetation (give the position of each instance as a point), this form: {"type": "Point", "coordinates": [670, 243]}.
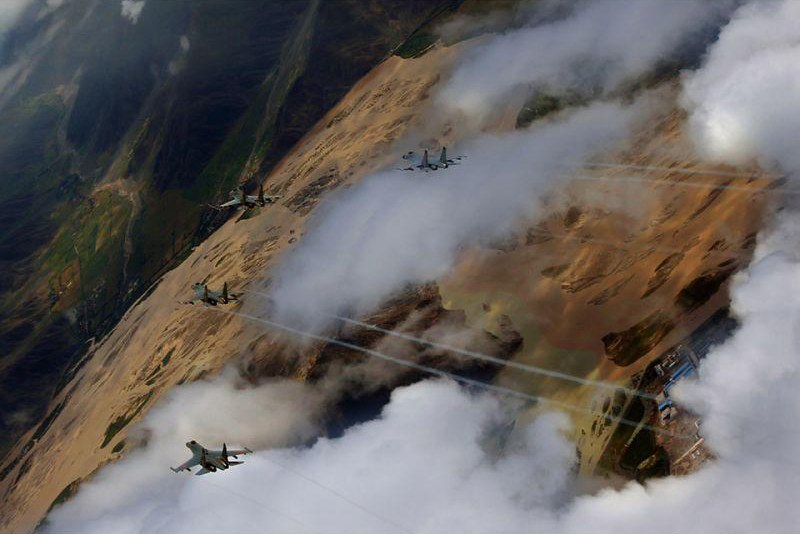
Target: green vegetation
{"type": "Point", "coordinates": [155, 373]}
{"type": "Point", "coordinates": [626, 347]}
{"type": "Point", "coordinates": [163, 231]}
{"type": "Point", "coordinates": [638, 450]}
{"type": "Point", "coordinates": [618, 441]}
{"type": "Point", "coordinates": [97, 232]}
{"type": "Point", "coordinates": [662, 273]}
{"type": "Point", "coordinates": [122, 421]}
{"type": "Point", "coordinates": [249, 213]}
{"type": "Point", "coordinates": [416, 45]}
{"type": "Point", "coordinates": [701, 289]}
{"type": "Point", "coordinates": [643, 458]}
{"type": "Point", "coordinates": [70, 490]}
{"type": "Point", "coordinates": [165, 359]}
{"type": "Point", "coordinates": [537, 107]}
{"type": "Point", "coordinates": [151, 378]}
{"type": "Point", "coordinates": [654, 466]}
{"type": "Point", "coordinates": [555, 271]}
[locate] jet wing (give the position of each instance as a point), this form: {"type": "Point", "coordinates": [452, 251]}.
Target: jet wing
{"type": "Point", "coordinates": [253, 199]}
{"type": "Point", "coordinates": [215, 295]}
{"type": "Point", "coordinates": [231, 203]}
{"type": "Point", "coordinates": [237, 452]}
{"type": "Point", "coordinates": [187, 465]}
{"type": "Point", "coordinates": [231, 452]}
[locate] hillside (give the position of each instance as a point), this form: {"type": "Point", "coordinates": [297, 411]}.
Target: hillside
{"type": "Point", "coordinates": [116, 132]}
{"type": "Point", "coordinates": [574, 290]}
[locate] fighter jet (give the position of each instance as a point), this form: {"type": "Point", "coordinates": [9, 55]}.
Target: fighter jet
{"type": "Point", "coordinates": [209, 461]}
{"type": "Point", "coordinates": [211, 298]}
{"type": "Point", "coordinates": [425, 164]}
{"type": "Point", "coordinates": [240, 199]}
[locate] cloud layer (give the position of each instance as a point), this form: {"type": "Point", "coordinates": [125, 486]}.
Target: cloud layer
{"type": "Point", "coordinates": [424, 466]}
{"type": "Point", "coordinates": [744, 101]}
{"type": "Point", "coordinates": [130, 495]}
{"type": "Point", "coordinates": [396, 228]}
{"type": "Point", "coordinates": [599, 45]}
{"type": "Point", "coordinates": [10, 11]}
{"type": "Point", "coordinates": [429, 463]}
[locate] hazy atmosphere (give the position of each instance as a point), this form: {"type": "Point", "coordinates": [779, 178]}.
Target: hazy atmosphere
{"type": "Point", "coordinates": [399, 266]}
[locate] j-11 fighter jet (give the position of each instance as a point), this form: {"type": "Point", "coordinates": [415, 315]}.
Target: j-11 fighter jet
{"type": "Point", "coordinates": [210, 461]}
{"type": "Point", "coordinates": [211, 298]}
{"type": "Point", "coordinates": [424, 163]}
{"type": "Point", "coordinates": [240, 198]}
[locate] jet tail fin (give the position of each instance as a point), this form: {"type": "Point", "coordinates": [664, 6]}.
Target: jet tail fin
{"type": "Point", "coordinates": [425, 159]}
{"type": "Point", "coordinates": [205, 293]}
{"type": "Point", "coordinates": [261, 195]}
{"type": "Point", "coordinates": [443, 157]}
{"type": "Point", "coordinates": [224, 298]}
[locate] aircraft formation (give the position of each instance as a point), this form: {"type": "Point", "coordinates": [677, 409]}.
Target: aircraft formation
{"type": "Point", "coordinates": [413, 161]}
{"type": "Point", "coordinates": [211, 461]}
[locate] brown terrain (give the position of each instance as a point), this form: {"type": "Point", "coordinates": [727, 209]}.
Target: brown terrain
{"type": "Point", "coordinates": [595, 287]}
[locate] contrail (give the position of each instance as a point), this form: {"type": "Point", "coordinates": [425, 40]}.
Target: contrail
{"type": "Point", "coordinates": [499, 361]}
{"type": "Point", "coordinates": [614, 244]}
{"type": "Point", "coordinates": [457, 378]}
{"type": "Point", "coordinates": [342, 496]}
{"type": "Point", "coordinates": [679, 170]}
{"type": "Point", "coordinates": [496, 389]}
{"type": "Point", "coordinates": [690, 184]}
{"type": "Point", "coordinates": [262, 505]}
{"type": "Point", "coordinates": [486, 357]}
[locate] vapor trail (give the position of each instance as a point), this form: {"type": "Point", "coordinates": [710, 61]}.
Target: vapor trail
{"type": "Point", "coordinates": [678, 183]}
{"type": "Point", "coordinates": [679, 170]}
{"type": "Point", "coordinates": [488, 358]}
{"type": "Point", "coordinates": [345, 498]}
{"type": "Point", "coordinates": [491, 387]}
{"type": "Point", "coordinates": [457, 378]}
{"type": "Point", "coordinates": [613, 244]}
{"type": "Point", "coordinates": [262, 505]}
{"type": "Point", "coordinates": [499, 361]}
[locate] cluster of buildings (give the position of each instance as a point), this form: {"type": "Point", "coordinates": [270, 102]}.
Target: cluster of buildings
{"type": "Point", "coordinates": [674, 366]}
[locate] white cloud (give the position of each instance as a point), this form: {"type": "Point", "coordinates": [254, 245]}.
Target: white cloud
{"type": "Point", "coordinates": [394, 229]}
{"type": "Point", "coordinates": [424, 464]}
{"type": "Point", "coordinates": [429, 465]}
{"type": "Point", "coordinates": [596, 47]}
{"type": "Point", "coordinates": [748, 395]}
{"type": "Point", "coordinates": [397, 228]}
{"type": "Point", "coordinates": [744, 102]}
{"type": "Point", "coordinates": [10, 11]}
{"type": "Point", "coordinates": [121, 497]}
{"type": "Point", "coordinates": [132, 9]}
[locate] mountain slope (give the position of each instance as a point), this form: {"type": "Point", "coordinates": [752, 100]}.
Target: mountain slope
{"type": "Point", "coordinates": [581, 259]}
{"type": "Point", "coordinates": [117, 133]}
